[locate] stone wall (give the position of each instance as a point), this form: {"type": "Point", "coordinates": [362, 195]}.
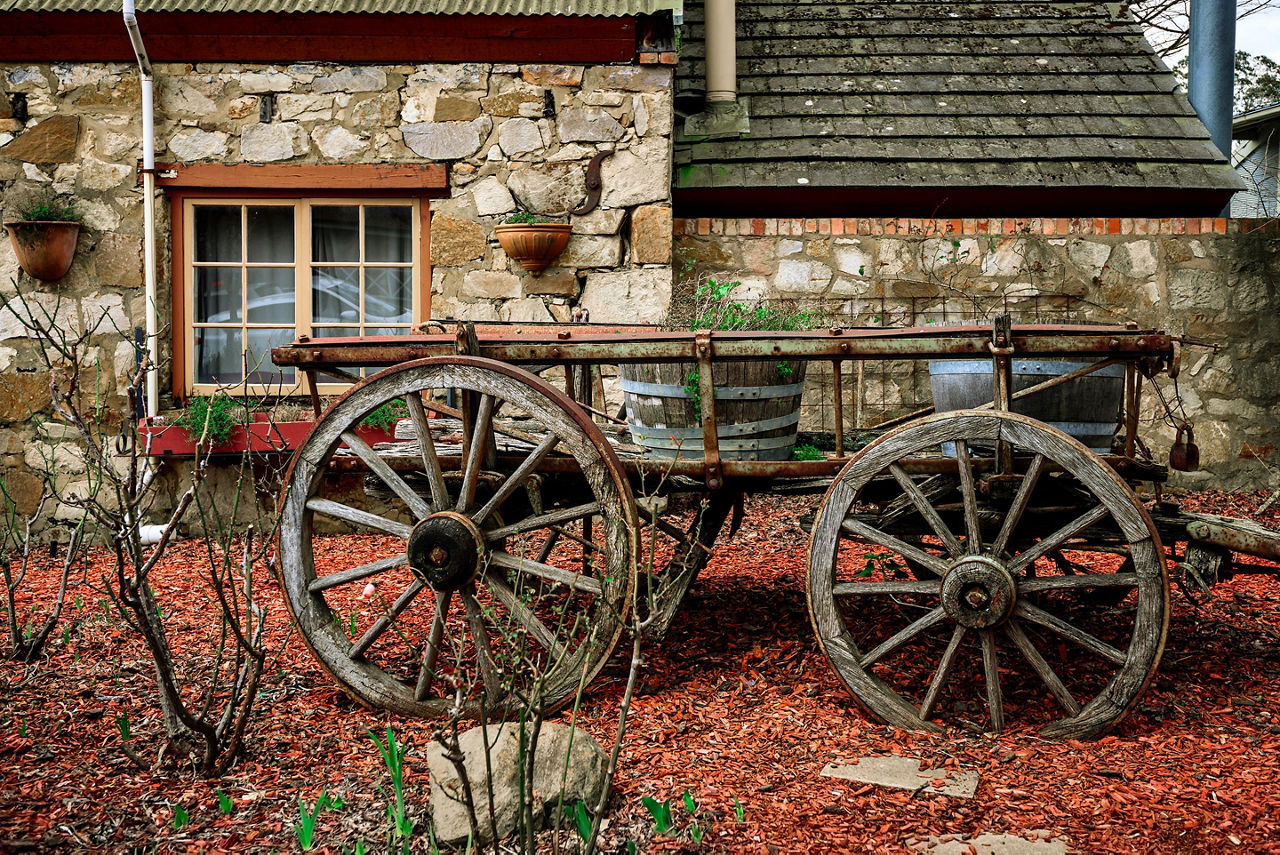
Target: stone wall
{"type": "Point", "coordinates": [512, 135]}
{"type": "Point", "coordinates": [1215, 281]}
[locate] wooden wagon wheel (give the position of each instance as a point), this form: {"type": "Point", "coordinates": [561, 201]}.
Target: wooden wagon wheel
{"type": "Point", "coordinates": [999, 623]}
{"type": "Point", "coordinates": [499, 587]}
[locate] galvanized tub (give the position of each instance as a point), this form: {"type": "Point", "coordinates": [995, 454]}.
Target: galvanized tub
{"type": "Point", "coordinates": [757, 408]}
{"type": "Point", "coordinates": [1087, 408]}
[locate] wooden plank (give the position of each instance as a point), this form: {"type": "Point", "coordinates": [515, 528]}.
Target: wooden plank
{"type": "Point", "coordinates": [329, 177]}
{"type": "Point", "coordinates": [323, 37]}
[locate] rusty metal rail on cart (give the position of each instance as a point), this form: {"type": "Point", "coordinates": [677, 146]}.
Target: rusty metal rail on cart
{"type": "Point", "coordinates": [1144, 352]}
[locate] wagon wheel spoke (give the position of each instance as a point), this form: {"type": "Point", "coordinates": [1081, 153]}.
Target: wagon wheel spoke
{"type": "Point", "coordinates": [475, 453]}
{"type": "Point", "coordinates": [388, 475]}
{"type": "Point", "coordinates": [383, 623]}
{"type": "Point", "coordinates": [991, 674]}
{"type": "Point", "coordinates": [480, 638]}
{"type": "Point", "coordinates": [942, 671]}
{"type": "Point", "coordinates": [861, 530]}
{"type": "Point", "coordinates": [513, 481]}
{"type": "Point", "coordinates": [524, 616]}
{"type": "Point", "coordinates": [547, 520]}
{"type": "Point", "coordinates": [577, 581]}
{"type": "Point", "coordinates": [346, 513]}
{"type": "Point", "coordinates": [926, 509]}
{"type": "Point", "coordinates": [1044, 547]}
{"type": "Point", "coordinates": [355, 574]}
{"type": "Point", "coordinates": [896, 586]}
{"type": "Point", "coordinates": [427, 447]}
{"type": "Point", "coordinates": [1041, 667]}
{"type": "Point", "coordinates": [902, 636]}
{"type": "Point", "coordinates": [969, 492]}
{"type": "Point", "coordinates": [1020, 501]}
{"type": "Point", "coordinates": [1037, 615]}
{"type": "Point", "coordinates": [427, 673]}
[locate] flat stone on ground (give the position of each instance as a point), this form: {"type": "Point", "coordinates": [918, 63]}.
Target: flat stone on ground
{"type": "Point", "coordinates": [993, 844]}
{"type": "Point", "coordinates": [904, 773]}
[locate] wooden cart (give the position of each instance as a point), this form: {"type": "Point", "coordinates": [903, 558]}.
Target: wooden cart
{"type": "Point", "coordinates": [961, 560]}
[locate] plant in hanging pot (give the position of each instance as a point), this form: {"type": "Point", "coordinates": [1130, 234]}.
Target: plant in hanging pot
{"type": "Point", "coordinates": [532, 240]}
{"type": "Point", "coordinates": [44, 238]}
{"type": "Point", "coordinates": [757, 401]}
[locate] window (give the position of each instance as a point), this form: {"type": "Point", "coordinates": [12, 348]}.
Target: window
{"type": "Point", "coordinates": [259, 272]}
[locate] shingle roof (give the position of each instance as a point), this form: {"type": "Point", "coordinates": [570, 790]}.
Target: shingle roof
{"type": "Point", "coordinates": [871, 93]}
{"type": "Point", "coordinates": [432, 7]}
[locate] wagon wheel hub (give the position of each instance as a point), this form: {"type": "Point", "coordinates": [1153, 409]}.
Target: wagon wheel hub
{"type": "Point", "coordinates": [978, 592]}
{"type": "Point", "coordinates": [446, 551]}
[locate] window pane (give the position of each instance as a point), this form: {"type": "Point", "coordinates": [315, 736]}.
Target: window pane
{"type": "Point", "coordinates": [388, 294]}
{"type": "Point", "coordinates": [258, 357]}
{"type": "Point", "coordinates": [217, 295]}
{"type": "Point", "coordinates": [218, 356]}
{"type": "Point", "coordinates": [270, 295]}
{"type": "Point", "coordinates": [387, 330]}
{"type": "Point", "coordinates": [335, 332]}
{"type": "Point", "coordinates": [335, 233]}
{"type": "Point", "coordinates": [270, 234]}
{"type": "Point", "coordinates": [388, 233]}
{"type": "Point", "coordinates": [335, 295]}
{"type": "Point", "coordinates": [217, 232]}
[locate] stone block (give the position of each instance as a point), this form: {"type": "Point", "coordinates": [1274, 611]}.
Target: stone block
{"type": "Point", "coordinates": [894, 257]}
{"type": "Point", "coordinates": [1202, 292]}
{"type": "Point", "coordinates": [601, 221]}
{"type": "Point", "coordinates": [267, 143]}
{"type": "Point", "coordinates": [363, 78]}
{"type": "Point", "coordinates": [490, 285]}
{"type": "Point", "coordinates": [548, 188]}
{"type": "Point", "coordinates": [99, 175]}
{"type": "Point", "coordinates": [1135, 259]}
{"type": "Point", "coordinates": [257, 82]}
{"type": "Point", "coordinates": [305, 108]}
{"type": "Point", "coordinates": [627, 296]}
{"type": "Point", "coordinates": [446, 140]}
{"type": "Point", "coordinates": [854, 260]}
{"type": "Point", "coordinates": [553, 283]}
{"type": "Point", "coordinates": [336, 142]}
{"type": "Point", "coordinates": [591, 251]}
{"type": "Point", "coordinates": [454, 109]}
{"type": "Point", "coordinates": [513, 103]}
{"type": "Point", "coordinates": [588, 124]}
{"type": "Point", "coordinates": [552, 75]}
{"type": "Point", "coordinates": [637, 176]}
{"type": "Point", "coordinates": [801, 278]}
{"type": "Point", "coordinates": [631, 78]}
{"type": "Point", "coordinates": [50, 141]}
{"type": "Point", "coordinates": [456, 241]}
{"type": "Point", "coordinates": [519, 136]}
{"type": "Point", "coordinates": [195, 144]}
{"type": "Point", "coordinates": [568, 765]}
{"type": "Point", "coordinates": [118, 260]}
{"type": "Point", "coordinates": [23, 393]}
{"type": "Point", "coordinates": [529, 310]}
{"type": "Point", "coordinates": [651, 235]}
{"type": "Point", "coordinates": [238, 108]}
{"type": "Point", "coordinates": [491, 197]}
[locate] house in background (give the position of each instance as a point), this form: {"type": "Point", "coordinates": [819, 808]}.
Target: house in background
{"type": "Point", "coordinates": [337, 173]}
{"type": "Point", "coordinates": [1256, 157]}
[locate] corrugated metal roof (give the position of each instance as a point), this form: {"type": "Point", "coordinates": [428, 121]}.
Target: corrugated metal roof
{"type": "Point", "coordinates": [604, 8]}
{"type": "Point", "coordinates": [920, 93]}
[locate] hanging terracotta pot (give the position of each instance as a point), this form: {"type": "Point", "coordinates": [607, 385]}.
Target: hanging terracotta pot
{"type": "Point", "coordinates": [534, 245]}
{"type": "Point", "coordinates": [44, 248]}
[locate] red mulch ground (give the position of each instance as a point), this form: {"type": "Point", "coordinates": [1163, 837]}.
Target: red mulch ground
{"type": "Point", "coordinates": [738, 704]}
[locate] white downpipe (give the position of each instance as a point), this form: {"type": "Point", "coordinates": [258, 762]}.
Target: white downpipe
{"type": "Point", "coordinates": [148, 207]}
{"type": "Point", "coordinates": [722, 51]}
{"type": "Point", "coordinates": [148, 534]}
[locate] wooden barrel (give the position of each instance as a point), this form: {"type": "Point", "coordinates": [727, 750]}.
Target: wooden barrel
{"type": "Point", "coordinates": [757, 408]}
{"type": "Point", "coordinates": [1087, 408]}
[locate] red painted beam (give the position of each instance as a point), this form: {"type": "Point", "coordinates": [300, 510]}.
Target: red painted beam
{"type": "Point", "coordinates": [320, 37]}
